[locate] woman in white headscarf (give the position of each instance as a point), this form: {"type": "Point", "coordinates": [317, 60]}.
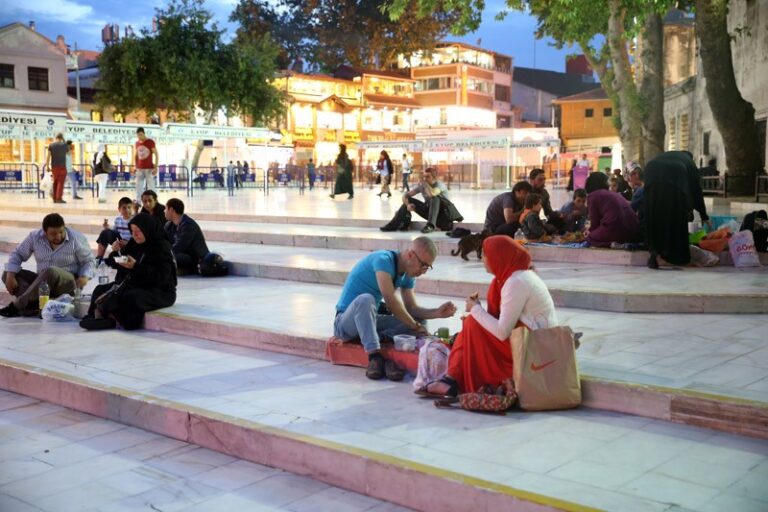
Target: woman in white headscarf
{"type": "Point", "coordinates": [102, 165]}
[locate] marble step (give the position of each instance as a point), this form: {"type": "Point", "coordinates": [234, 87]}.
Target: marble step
{"type": "Point", "coordinates": [584, 285]}
{"type": "Point", "coordinates": [363, 239]}
{"type": "Point", "coordinates": [374, 437]}
{"type": "Point", "coordinates": [678, 373]}
{"type": "Point", "coordinates": [100, 212]}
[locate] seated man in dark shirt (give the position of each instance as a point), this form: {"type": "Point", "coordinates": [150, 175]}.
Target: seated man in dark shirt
{"type": "Point", "coordinates": [187, 240]}
{"type": "Point", "coordinates": [502, 215]}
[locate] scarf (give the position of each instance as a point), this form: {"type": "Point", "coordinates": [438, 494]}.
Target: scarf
{"type": "Point", "coordinates": [504, 257]}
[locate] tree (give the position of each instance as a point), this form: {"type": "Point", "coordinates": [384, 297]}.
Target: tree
{"type": "Point", "coordinates": [186, 67]}
{"type": "Point", "coordinates": [620, 21]}
{"type": "Point", "coordinates": [328, 33]}
{"type": "Point", "coordinates": [734, 116]}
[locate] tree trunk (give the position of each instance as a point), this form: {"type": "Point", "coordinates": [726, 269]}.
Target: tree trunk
{"type": "Point", "coordinates": [734, 116]}
{"type": "Point", "coordinates": [652, 87]}
{"type": "Point", "coordinates": [623, 85]}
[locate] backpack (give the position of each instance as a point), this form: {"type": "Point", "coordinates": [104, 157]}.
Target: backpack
{"type": "Point", "coordinates": [213, 265]}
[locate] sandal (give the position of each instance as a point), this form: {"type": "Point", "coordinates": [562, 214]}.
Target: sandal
{"type": "Point", "coordinates": [453, 390]}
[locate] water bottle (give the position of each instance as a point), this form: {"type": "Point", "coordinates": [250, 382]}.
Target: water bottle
{"type": "Point", "coordinates": [44, 292]}
{"type": "Point", "coordinates": [102, 273]}
{"type": "Point", "coordinates": [519, 235]}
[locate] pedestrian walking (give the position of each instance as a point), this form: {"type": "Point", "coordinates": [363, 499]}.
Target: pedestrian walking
{"type": "Point", "coordinates": [311, 173]}
{"type": "Point", "coordinates": [385, 169]}
{"type": "Point", "coordinates": [57, 164]}
{"type": "Point", "coordinates": [407, 170]}
{"type": "Point", "coordinates": [146, 160]}
{"type": "Point", "coordinates": [343, 183]}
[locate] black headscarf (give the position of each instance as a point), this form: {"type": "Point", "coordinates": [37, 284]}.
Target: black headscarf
{"type": "Point", "coordinates": [149, 226]}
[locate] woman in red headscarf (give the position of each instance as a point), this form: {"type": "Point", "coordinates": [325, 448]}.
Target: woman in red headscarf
{"type": "Point", "coordinates": [482, 354]}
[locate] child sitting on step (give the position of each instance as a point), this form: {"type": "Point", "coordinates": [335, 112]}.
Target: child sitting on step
{"type": "Point", "coordinates": [120, 233]}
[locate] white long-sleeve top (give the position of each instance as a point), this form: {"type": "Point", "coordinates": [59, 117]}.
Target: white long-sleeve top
{"type": "Point", "coordinates": [524, 297]}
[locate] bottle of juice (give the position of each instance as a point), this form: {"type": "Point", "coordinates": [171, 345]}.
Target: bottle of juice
{"type": "Point", "coordinates": [44, 292]}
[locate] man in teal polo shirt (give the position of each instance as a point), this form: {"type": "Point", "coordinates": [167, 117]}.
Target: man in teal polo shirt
{"type": "Point", "coordinates": [375, 278]}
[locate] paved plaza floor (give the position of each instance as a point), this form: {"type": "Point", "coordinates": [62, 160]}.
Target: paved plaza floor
{"type": "Point", "coordinates": [58, 460]}
{"type": "Point", "coordinates": [236, 367]}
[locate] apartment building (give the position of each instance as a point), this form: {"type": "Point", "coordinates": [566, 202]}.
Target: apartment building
{"type": "Point", "coordinates": [460, 86]}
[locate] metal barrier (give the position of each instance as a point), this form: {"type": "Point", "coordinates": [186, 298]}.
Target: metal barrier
{"type": "Point", "coordinates": [715, 185]}
{"type": "Point", "coordinates": [173, 177]}
{"type": "Point", "coordinates": [761, 187]}
{"type": "Point", "coordinates": [20, 176]}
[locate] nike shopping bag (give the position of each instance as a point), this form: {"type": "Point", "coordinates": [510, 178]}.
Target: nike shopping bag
{"type": "Point", "coordinates": [545, 372]}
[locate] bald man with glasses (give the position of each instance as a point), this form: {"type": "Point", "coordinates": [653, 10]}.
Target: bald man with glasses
{"type": "Point", "coordinates": [370, 309]}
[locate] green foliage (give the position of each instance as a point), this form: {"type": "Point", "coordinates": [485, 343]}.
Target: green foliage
{"type": "Point", "coordinates": [328, 33]}
{"type": "Point", "coordinates": [187, 65]}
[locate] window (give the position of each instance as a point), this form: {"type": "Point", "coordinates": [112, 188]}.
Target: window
{"type": "Point", "coordinates": [607, 112]}
{"type": "Point", "coordinates": [684, 131]}
{"type": "Point", "coordinates": [502, 92]}
{"type": "Point", "coordinates": [672, 131]}
{"type": "Point", "coordinates": [432, 84]}
{"type": "Point", "coordinates": [38, 79]}
{"type": "Point", "coordinates": [705, 143]}
{"type": "Point", "coordinates": [443, 116]}
{"type": "Point", "coordinates": [118, 117]}
{"type": "Point", "coordinates": [96, 116]}
{"type": "Point", "coordinates": [589, 112]}
{"type": "Point", "coordinates": [6, 76]}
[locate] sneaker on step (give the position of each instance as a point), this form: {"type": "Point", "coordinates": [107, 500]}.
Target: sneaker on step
{"type": "Point", "coordinates": [9, 311]}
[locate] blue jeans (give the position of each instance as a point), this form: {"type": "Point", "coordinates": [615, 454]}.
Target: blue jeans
{"type": "Point", "coordinates": [361, 319]}
{"type": "Point", "coordinates": [72, 177]}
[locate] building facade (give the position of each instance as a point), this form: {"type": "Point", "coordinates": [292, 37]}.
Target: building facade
{"type": "Point", "coordinates": [460, 86]}
{"type": "Point", "coordinates": [689, 121]}
{"type": "Point", "coordinates": [586, 122]}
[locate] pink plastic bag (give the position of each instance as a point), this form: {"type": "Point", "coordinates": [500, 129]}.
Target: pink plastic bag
{"type": "Point", "coordinates": [433, 363]}
{"type": "Point", "coordinates": [743, 252]}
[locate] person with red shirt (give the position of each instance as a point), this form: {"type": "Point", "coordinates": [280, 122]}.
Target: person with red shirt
{"type": "Point", "coordinates": [146, 163]}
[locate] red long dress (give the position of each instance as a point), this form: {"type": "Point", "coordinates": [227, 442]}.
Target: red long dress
{"type": "Point", "coordinates": [478, 357]}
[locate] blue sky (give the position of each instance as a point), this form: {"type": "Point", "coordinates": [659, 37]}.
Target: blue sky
{"type": "Point", "coordinates": [81, 21]}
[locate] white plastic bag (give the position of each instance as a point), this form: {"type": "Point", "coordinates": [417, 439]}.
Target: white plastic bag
{"type": "Point", "coordinates": [58, 311]}
{"type": "Point", "coordinates": [743, 252]}
{"type": "Point", "coordinates": [46, 184]}
{"type": "Point", "coordinates": [703, 258]}
{"type": "Point", "coordinates": [433, 363]}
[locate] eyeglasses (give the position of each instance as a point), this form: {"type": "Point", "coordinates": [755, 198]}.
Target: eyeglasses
{"type": "Point", "coordinates": [424, 264]}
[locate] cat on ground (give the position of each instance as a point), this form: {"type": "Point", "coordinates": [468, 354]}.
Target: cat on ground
{"type": "Point", "coordinates": [471, 243]}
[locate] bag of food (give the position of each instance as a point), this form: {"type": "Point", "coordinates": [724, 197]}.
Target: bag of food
{"type": "Point", "coordinates": [433, 363]}
{"type": "Point", "coordinates": [703, 258]}
{"type": "Point", "coordinates": [743, 252]}
{"type": "Point", "coordinates": [545, 372]}
{"type": "Point", "coordinates": [716, 241]}
{"type": "Point", "coordinates": [46, 184]}
{"type": "Point", "coordinates": [58, 311]}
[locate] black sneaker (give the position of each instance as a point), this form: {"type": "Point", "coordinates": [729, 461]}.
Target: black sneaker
{"type": "Point", "coordinates": [375, 370]}
{"type": "Point", "coordinates": [392, 371]}
{"type": "Point", "coordinates": [428, 228]}
{"type": "Point", "coordinates": [9, 311]}
{"type": "Point", "coordinates": [388, 227]}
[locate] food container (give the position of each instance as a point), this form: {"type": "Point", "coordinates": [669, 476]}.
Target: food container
{"type": "Point", "coordinates": [405, 342]}
{"type": "Point", "coordinates": [81, 306]}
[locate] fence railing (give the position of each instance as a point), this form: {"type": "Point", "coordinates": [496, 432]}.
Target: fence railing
{"type": "Point", "coordinates": [715, 185]}
{"type": "Point", "coordinates": [20, 176]}
{"type": "Point", "coordinates": [761, 188]}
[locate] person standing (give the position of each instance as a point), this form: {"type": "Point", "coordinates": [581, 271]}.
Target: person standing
{"type": "Point", "coordinates": [246, 171]}
{"type": "Point", "coordinates": [407, 170]}
{"type": "Point", "coordinates": [672, 191]}
{"type": "Point", "coordinates": [71, 174]}
{"type": "Point", "coordinates": [343, 183]}
{"type": "Point", "coordinates": [231, 178]}
{"type": "Point", "coordinates": [146, 160]}
{"type": "Point", "coordinates": [311, 173]}
{"type": "Point", "coordinates": [386, 169]}
{"type": "Point", "coordinates": [57, 163]}
{"type": "Point", "coordinates": [238, 174]}
{"type": "Point", "coordinates": [214, 164]}
{"type": "Point", "coordinates": [102, 165]}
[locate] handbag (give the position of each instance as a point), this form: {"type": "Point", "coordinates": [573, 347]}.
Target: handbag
{"type": "Point", "coordinates": [109, 301]}
{"type": "Point", "coordinates": [545, 372]}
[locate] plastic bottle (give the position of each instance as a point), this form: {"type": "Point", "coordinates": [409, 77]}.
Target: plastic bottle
{"type": "Point", "coordinates": [519, 235]}
{"type": "Point", "coordinates": [102, 273]}
{"type": "Point", "coordinates": [44, 292]}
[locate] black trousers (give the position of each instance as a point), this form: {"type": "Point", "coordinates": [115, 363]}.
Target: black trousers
{"type": "Point", "coordinates": [433, 212]}
{"type": "Point", "coordinates": [134, 303]}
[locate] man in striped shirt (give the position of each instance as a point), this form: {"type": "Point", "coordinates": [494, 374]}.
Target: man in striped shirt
{"type": "Point", "coordinates": [64, 261]}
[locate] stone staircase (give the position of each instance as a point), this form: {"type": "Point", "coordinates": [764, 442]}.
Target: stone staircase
{"type": "Point", "coordinates": [676, 407]}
